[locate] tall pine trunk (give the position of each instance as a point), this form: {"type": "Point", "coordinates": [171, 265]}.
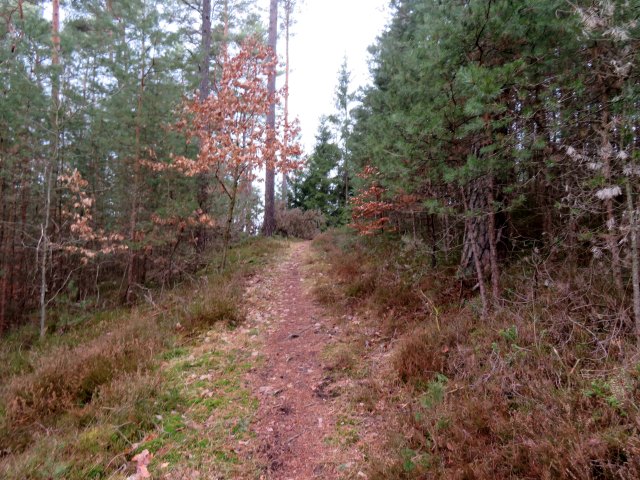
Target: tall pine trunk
{"type": "Point", "coordinates": [206, 50]}
{"type": "Point", "coordinates": [205, 90]}
{"type": "Point", "coordinates": [269, 226]}
{"type": "Point", "coordinates": [635, 257]}
{"type": "Point", "coordinates": [49, 164]}
{"type": "Point", "coordinates": [493, 239]}
{"type": "Point", "coordinates": [606, 152]}
{"type": "Point", "coordinates": [472, 230]}
{"type": "Point", "coordinates": [288, 5]}
{"type": "Point", "coordinates": [133, 270]}
{"type": "Point", "coordinates": [476, 235]}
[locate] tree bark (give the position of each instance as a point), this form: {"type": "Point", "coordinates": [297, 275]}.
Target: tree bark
{"type": "Point", "coordinates": [204, 91]}
{"type": "Point", "coordinates": [472, 229]}
{"type": "Point", "coordinates": [227, 231]}
{"type": "Point", "coordinates": [476, 237]}
{"type": "Point", "coordinates": [48, 171]}
{"type": "Point", "coordinates": [206, 50]}
{"type": "Point", "coordinates": [134, 260]}
{"type": "Point", "coordinates": [288, 7]}
{"type": "Point", "coordinates": [493, 239]}
{"type": "Point", "coordinates": [269, 226]}
{"type": "Point", "coordinates": [612, 241]}
{"type": "Point", "coordinates": [635, 258]}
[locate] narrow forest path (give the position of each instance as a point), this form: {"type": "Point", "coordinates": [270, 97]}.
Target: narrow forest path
{"type": "Point", "coordinates": [296, 416]}
{"type": "Point", "coordinates": [264, 400]}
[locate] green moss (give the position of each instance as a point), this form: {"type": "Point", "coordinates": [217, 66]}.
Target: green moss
{"type": "Point", "coordinates": [96, 439]}
{"type": "Point", "coordinates": [153, 445]}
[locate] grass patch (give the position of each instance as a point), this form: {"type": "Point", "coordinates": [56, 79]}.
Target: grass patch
{"type": "Point", "coordinates": [224, 305]}
{"type": "Point", "coordinates": [340, 357]}
{"type": "Point", "coordinates": [66, 379]}
{"type": "Point", "coordinates": [214, 416]}
{"type": "Point", "coordinates": [80, 403]}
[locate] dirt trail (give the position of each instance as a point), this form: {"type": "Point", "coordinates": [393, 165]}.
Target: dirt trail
{"type": "Point", "coordinates": [296, 417]}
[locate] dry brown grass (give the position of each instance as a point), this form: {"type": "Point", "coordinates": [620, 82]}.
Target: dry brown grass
{"type": "Point", "coordinates": [546, 388]}
{"type": "Point", "coordinates": [363, 279]}
{"type": "Point", "coordinates": [222, 305]}
{"type": "Point", "coordinates": [341, 357]}
{"type": "Point", "coordinates": [418, 357]}
{"type": "Point", "coordinates": [72, 406]}
{"type": "Point", "coordinates": [69, 378]}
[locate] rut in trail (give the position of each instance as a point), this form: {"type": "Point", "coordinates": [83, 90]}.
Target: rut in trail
{"type": "Point", "coordinates": [296, 416]}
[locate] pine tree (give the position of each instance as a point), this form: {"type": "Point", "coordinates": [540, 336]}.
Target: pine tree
{"type": "Point", "coordinates": [471, 112]}
{"type": "Point", "coordinates": [342, 121]}
{"type": "Point", "coordinates": [269, 225]}
{"type": "Point", "coordinates": [319, 185]}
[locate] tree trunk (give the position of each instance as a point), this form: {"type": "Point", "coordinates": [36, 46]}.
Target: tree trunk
{"type": "Point", "coordinates": [542, 185]}
{"type": "Point", "coordinates": [48, 170]}
{"type": "Point", "coordinates": [269, 226]}
{"type": "Point", "coordinates": [606, 151]}
{"type": "Point", "coordinates": [227, 231]}
{"type": "Point", "coordinates": [476, 237]}
{"type": "Point", "coordinates": [472, 228]}
{"type": "Point", "coordinates": [434, 240]}
{"type": "Point", "coordinates": [635, 258]}
{"type": "Point", "coordinates": [288, 6]}
{"type": "Point", "coordinates": [205, 90]}
{"type": "Point", "coordinates": [493, 238]}
{"type": "Point", "coordinates": [134, 260]}
{"type": "Point", "coordinates": [206, 50]}
{"type": "Point", "coordinates": [4, 226]}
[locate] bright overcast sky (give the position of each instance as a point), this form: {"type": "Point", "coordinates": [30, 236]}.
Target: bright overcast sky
{"type": "Point", "coordinates": [324, 33]}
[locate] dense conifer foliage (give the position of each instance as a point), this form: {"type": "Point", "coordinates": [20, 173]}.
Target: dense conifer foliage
{"type": "Point", "coordinates": [497, 264]}
{"type": "Point", "coordinates": [500, 126]}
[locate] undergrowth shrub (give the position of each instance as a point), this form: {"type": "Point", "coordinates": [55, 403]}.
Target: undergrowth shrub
{"type": "Point", "coordinates": [327, 294]}
{"type": "Point", "coordinates": [297, 223]}
{"type": "Point", "coordinates": [131, 401]}
{"type": "Point", "coordinates": [222, 306]}
{"type": "Point", "coordinates": [68, 378]}
{"type": "Point", "coordinates": [418, 357]}
{"type": "Point", "coordinates": [341, 357]}
{"type": "Point", "coordinates": [95, 442]}
{"type": "Point", "coordinates": [547, 387]}
{"type": "Point", "coordinates": [371, 275]}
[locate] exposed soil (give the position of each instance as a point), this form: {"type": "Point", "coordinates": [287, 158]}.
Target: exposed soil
{"type": "Point", "coordinates": [297, 415]}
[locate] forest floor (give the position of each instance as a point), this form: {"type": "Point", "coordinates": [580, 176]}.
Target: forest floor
{"type": "Point", "coordinates": [277, 398]}
{"type": "Point", "coordinates": [321, 360]}
{"type": "Point", "coordinates": [238, 375]}
{"type": "Point", "coordinates": [340, 370]}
